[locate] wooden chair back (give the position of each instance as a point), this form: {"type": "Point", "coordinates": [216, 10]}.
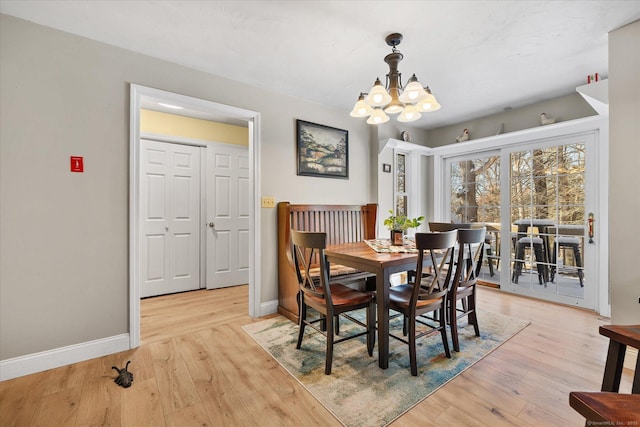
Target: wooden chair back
{"type": "Point", "coordinates": [446, 226]}
{"type": "Point", "coordinates": [471, 242]}
{"type": "Point", "coordinates": [440, 248]}
{"type": "Point", "coordinates": [308, 251]}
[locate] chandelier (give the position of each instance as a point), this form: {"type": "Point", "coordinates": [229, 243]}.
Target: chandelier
{"type": "Point", "coordinates": [410, 101]}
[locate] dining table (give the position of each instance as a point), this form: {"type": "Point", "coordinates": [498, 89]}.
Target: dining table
{"type": "Point", "coordinates": [383, 262]}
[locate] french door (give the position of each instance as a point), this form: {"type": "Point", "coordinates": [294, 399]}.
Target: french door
{"type": "Point", "coordinates": [537, 200]}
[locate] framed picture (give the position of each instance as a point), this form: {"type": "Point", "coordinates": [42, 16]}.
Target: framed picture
{"type": "Point", "coordinates": [386, 167]}
{"type": "Point", "coordinates": [322, 150]}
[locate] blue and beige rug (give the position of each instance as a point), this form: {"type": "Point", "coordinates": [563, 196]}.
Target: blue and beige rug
{"type": "Point", "coordinates": [358, 392]}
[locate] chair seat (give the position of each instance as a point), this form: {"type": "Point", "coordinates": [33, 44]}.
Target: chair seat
{"type": "Point", "coordinates": [335, 270]}
{"type": "Point", "coordinates": [400, 296]}
{"type": "Point", "coordinates": [530, 240]}
{"type": "Point", "coordinates": [566, 240]}
{"type": "Point", "coordinates": [343, 295]}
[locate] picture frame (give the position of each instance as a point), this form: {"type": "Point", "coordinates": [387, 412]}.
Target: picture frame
{"type": "Point", "coordinates": [322, 151]}
{"type": "Point", "coordinates": [386, 167]}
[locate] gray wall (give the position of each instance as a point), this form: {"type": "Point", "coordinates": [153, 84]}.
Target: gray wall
{"type": "Point", "coordinates": [64, 246]}
{"type": "Point", "coordinates": [624, 158]}
{"type": "Point", "coordinates": [564, 108]}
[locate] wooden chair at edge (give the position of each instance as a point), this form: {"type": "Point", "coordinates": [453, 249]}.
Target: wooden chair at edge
{"type": "Point", "coordinates": [426, 293]}
{"type": "Point", "coordinates": [330, 300]}
{"type": "Point", "coordinates": [463, 287]}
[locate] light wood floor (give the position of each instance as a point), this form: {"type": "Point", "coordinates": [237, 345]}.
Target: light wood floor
{"type": "Point", "coordinates": [196, 366]}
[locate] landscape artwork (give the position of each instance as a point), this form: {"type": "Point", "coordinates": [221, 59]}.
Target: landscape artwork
{"type": "Point", "coordinates": [322, 150]}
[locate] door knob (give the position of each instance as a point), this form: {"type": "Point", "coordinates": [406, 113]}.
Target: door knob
{"type": "Point", "coordinates": [212, 225]}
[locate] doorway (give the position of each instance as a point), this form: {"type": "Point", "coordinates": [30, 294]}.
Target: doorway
{"type": "Point", "coordinates": [139, 95]}
{"type": "Point", "coordinates": [538, 192]}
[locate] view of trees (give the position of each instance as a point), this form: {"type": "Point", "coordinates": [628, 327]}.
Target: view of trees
{"type": "Point", "coordinates": [544, 183]}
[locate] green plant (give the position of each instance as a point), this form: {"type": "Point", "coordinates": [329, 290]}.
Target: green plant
{"type": "Point", "coordinates": [401, 222]}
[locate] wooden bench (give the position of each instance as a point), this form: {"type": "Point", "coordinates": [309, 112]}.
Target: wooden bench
{"type": "Point", "coordinates": [606, 408]}
{"type": "Point", "coordinates": [342, 223]}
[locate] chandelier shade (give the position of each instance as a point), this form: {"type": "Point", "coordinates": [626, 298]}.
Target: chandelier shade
{"type": "Point", "coordinates": [378, 95]}
{"type": "Point", "coordinates": [361, 109]}
{"type": "Point", "coordinates": [409, 114]}
{"type": "Point", "coordinates": [377, 117]}
{"type": "Point", "coordinates": [429, 103]}
{"type": "Point", "coordinates": [409, 102]}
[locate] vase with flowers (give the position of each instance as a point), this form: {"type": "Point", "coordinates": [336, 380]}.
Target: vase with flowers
{"type": "Point", "coordinates": [399, 224]}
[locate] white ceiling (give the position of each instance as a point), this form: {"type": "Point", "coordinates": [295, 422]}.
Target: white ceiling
{"type": "Point", "coordinates": [478, 57]}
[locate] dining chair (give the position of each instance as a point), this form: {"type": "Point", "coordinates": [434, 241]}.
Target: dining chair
{"type": "Point", "coordinates": [426, 294]}
{"type": "Point", "coordinates": [329, 300]}
{"type": "Point", "coordinates": [486, 253]}
{"type": "Point", "coordinates": [463, 286]}
{"type": "Point", "coordinates": [439, 227]}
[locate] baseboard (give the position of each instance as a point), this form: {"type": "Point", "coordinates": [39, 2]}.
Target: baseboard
{"type": "Point", "coordinates": [38, 362]}
{"type": "Point", "coordinates": [630, 358]}
{"type": "Point", "coordinates": [267, 308]}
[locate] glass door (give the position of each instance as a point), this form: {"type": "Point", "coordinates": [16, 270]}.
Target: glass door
{"type": "Point", "coordinates": [475, 198]}
{"type": "Point", "coordinates": [549, 198]}
{"type": "Point", "coordinates": [535, 199]}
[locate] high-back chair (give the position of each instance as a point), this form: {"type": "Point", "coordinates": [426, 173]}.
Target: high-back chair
{"type": "Point", "coordinates": [426, 293]}
{"type": "Point", "coordinates": [329, 301]}
{"type": "Point", "coordinates": [463, 286]}
{"type": "Point", "coordinates": [439, 227]}
{"type": "Point", "coordinates": [446, 226]}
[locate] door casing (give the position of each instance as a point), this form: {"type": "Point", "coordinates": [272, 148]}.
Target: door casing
{"type": "Point", "coordinates": [137, 94]}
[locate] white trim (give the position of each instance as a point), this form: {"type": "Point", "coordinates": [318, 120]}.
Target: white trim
{"type": "Point", "coordinates": [587, 124]}
{"type": "Point", "coordinates": [50, 359]}
{"type": "Point", "coordinates": [402, 145]}
{"type": "Point", "coordinates": [253, 121]}
{"type": "Point", "coordinates": [267, 308]}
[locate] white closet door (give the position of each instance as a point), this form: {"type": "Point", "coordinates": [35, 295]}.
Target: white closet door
{"type": "Point", "coordinates": [228, 211]}
{"type": "Point", "coordinates": [169, 217]}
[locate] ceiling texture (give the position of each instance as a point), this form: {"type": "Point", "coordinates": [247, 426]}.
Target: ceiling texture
{"type": "Point", "coordinates": [478, 57]}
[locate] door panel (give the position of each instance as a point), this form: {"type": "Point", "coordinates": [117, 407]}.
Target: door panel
{"type": "Point", "coordinates": [550, 183]}
{"type": "Point", "coordinates": [228, 209]}
{"type": "Point", "coordinates": [170, 218]}
{"type": "Point", "coordinates": [551, 180]}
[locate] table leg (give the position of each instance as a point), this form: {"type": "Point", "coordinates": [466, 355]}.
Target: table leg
{"type": "Point", "coordinates": [635, 388]}
{"type": "Point", "coordinates": [382, 304]}
{"type": "Point", "coordinates": [613, 366]}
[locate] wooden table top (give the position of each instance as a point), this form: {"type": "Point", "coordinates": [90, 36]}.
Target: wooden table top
{"type": "Point", "coordinates": [363, 254]}
{"type": "Point", "coordinates": [616, 408]}
{"type": "Point", "coordinates": [624, 334]}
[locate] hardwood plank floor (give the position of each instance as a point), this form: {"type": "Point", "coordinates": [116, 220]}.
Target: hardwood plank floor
{"type": "Point", "coordinates": [197, 367]}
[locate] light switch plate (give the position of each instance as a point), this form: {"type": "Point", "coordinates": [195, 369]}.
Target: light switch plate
{"type": "Point", "coordinates": [268, 202]}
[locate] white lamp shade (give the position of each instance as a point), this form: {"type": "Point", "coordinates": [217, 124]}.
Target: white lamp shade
{"type": "Point", "coordinates": [409, 114]}
{"type": "Point", "coordinates": [361, 109]}
{"type": "Point", "coordinates": [413, 93]}
{"type": "Point", "coordinates": [394, 107]}
{"type": "Point", "coordinates": [378, 95]}
{"type": "Point", "coordinates": [377, 117]}
{"type": "Point", "coordinates": [428, 104]}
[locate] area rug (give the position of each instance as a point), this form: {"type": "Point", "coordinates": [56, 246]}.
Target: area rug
{"type": "Point", "coordinates": [358, 392]}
